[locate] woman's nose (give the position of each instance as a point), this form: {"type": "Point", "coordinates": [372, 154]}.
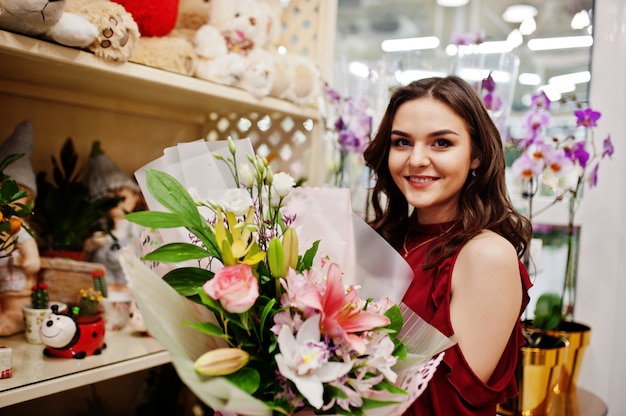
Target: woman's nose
{"type": "Point", "coordinates": [419, 156]}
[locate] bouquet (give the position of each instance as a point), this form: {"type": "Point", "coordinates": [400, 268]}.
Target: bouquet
{"type": "Point", "coordinates": [255, 324]}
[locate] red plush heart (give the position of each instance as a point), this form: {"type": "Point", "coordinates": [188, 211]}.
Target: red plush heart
{"type": "Point", "coordinates": [155, 17]}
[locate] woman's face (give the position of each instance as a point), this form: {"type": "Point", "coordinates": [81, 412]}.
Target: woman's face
{"type": "Point", "coordinates": [430, 157]}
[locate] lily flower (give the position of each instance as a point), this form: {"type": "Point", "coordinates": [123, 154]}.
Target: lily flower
{"type": "Point", "coordinates": [342, 314]}
{"type": "Point", "coordinates": [304, 360]}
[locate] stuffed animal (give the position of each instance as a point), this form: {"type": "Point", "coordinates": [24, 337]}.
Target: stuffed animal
{"type": "Point", "coordinates": [297, 79]}
{"type": "Point", "coordinates": [155, 17]}
{"type": "Point", "coordinates": [46, 19]}
{"type": "Point", "coordinates": [231, 47]}
{"type": "Point", "coordinates": [117, 32]}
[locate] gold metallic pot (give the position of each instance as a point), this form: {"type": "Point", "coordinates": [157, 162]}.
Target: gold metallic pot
{"type": "Point", "coordinates": [578, 336]}
{"type": "Point", "coordinates": [537, 373]}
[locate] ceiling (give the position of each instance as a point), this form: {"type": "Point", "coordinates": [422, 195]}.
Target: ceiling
{"type": "Point", "coordinates": [363, 24]}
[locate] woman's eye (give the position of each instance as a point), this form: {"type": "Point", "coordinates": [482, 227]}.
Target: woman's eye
{"type": "Point", "coordinates": [400, 142]}
{"type": "Point", "coordinates": [441, 143]}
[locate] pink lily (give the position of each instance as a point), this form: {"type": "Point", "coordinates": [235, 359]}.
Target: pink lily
{"type": "Point", "coordinates": [342, 314]}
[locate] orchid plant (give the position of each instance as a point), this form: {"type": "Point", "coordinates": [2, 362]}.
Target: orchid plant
{"type": "Point", "coordinates": [294, 336]}
{"type": "Point", "coordinates": [563, 163]}
{"type": "Point", "coordinates": [350, 124]}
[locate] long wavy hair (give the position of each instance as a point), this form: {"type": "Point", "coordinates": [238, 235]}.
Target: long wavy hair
{"type": "Point", "coordinates": [484, 202]}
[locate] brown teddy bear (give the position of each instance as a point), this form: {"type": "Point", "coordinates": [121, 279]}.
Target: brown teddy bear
{"type": "Point", "coordinates": [118, 33]}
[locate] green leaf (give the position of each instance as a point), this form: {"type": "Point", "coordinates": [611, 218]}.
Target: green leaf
{"type": "Point", "coordinates": [548, 311]}
{"type": "Point", "coordinates": [176, 253]}
{"type": "Point", "coordinates": [395, 316]}
{"type": "Point", "coordinates": [247, 379]}
{"type": "Point", "coordinates": [266, 311]}
{"type": "Point", "coordinates": [173, 196]}
{"type": "Point", "coordinates": [306, 262]}
{"type": "Point", "coordinates": [156, 219]}
{"type": "Point", "coordinates": [185, 280]}
{"type": "Point", "coordinates": [207, 328]}
{"type": "Point", "coordinates": [374, 404]}
{"type": "Point", "coordinates": [391, 388]}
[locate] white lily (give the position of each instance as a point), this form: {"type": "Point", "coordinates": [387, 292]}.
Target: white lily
{"type": "Point", "coordinates": [303, 359]}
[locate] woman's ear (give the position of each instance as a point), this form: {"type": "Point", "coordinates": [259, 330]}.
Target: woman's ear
{"type": "Point", "coordinates": [475, 163]}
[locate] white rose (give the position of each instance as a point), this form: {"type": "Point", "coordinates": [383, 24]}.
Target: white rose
{"type": "Point", "coordinates": [282, 184]}
{"type": "Point", "coordinates": [236, 200]}
{"type": "Point", "coordinates": [246, 175]}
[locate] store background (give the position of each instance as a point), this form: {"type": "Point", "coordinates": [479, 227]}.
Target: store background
{"type": "Point", "coordinates": [602, 286]}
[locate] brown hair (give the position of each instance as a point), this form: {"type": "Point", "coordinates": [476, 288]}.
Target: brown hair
{"type": "Point", "coordinates": [484, 202]}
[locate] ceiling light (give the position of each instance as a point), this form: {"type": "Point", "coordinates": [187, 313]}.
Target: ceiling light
{"type": "Point", "coordinates": [518, 13]}
{"type": "Point", "coordinates": [528, 26]}
{"type": "Point", "coordinates": [566, 42]}
{"type": "Point", "coordinates": [515, 38]}
{"type": "Point", "coordinates": [410, 44]}
{"type": "Point", "coordinates": [580, 20]}
{"type": "Point", "coordinates": [477, 74]}
{"type": "Point", "coordinates": [405, 77]}
{"type": "Point", "coordinates": [528, 78]}
{"type": "Point", "coordinates": [452, 3]}
{"type": "Point", "coordinates": [573, 78]}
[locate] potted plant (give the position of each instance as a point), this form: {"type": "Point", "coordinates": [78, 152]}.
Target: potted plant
{"type": "Point", "coordinates": [35, 313]}
{"type": "Point", "coordinates": [562, 161]}
{"type": "Point", "coordinates": [66, 214]}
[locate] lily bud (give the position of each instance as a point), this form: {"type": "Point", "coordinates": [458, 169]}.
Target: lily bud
{"type": "Point", "coordinates": [276, 257]}
{"type": "Point", "coordinates": [221, 362]}
{"type": "Point", "coordinates": [231, 146]}
{"type": "Point", "coordinates": [290, 247]}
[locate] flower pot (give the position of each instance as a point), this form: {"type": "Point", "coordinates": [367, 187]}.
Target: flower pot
{"type": "Point", "coordinates": [538, 373]}
{"type": "Point", "coordinates": [33, 318]}
{"type": "Point", "coordinates": [68, 337]}
{"type": "Point", "coordinates": [578, 336]}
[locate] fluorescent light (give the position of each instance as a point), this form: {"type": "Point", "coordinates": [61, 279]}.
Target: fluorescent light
{"type": "Point", "coordinates": [515, 38]}
{"type": "Point", "coordinates": [580, 20]}
{"type": "Point", "coordinates": [452, 3]}
{"type": "Point", "coordinates": [518, 13]}
{"type": "Point", "coordinates": [359, 69]}
{"type": "Point", "coordinates": [528, 26]}
{"type": "Point", "coordinates": [500, 46]}
{"type": "Point", "coordinates": [527, 78]}
{"type": "Point", "coordinates": [410, 44]}
{"type": "Point", "coordinates": [573, 78]}
{"type": "Point", "coordinates": [566, 42]}
{"type": "Point", "coordinates": [552, 93]}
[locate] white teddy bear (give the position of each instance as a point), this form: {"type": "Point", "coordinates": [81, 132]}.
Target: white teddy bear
{"type": "Point", "coordinates": [231, 46]}
{"type": "Point", "coordinates": [48, 20]}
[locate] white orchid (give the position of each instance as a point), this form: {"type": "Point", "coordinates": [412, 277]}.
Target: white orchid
{"type": "Point", "coordinates": [303, 359]}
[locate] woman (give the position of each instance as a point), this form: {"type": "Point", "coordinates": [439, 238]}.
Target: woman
{"type": "Point", "coordinates": [441, 200]}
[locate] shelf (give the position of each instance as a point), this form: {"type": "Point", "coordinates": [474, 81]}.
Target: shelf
{"type": "Point", "coordinates": [35, 375]}
{"type": "Point", "coordinates": [50, 71]}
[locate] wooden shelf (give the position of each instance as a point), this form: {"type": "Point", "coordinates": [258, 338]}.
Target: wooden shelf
{"type": "Point", "coordinates": [35, 375]}
{"type": "Point", "coordinates": [48, 70]}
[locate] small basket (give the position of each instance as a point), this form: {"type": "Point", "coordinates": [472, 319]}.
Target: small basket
{"type": "Point", "coordinates": [66, 278]}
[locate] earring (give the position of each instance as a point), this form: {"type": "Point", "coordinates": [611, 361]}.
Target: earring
{"type": "Point", "coordinates": [474, 172]}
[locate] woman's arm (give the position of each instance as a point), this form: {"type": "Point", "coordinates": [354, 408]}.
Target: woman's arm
{"type": "Point", "coordinates": [486, 300]}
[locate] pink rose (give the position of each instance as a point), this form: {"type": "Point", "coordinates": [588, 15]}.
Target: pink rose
{"type": "Point", "coordinates": [235, 287]}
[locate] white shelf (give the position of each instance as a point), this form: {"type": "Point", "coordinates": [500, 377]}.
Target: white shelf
{"type": "Point", "coordinates": [35, 375]}
{"type": "Point", "coordinates": [57, 72]}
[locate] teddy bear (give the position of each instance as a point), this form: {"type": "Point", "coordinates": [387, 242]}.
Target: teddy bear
{"type": "Point", "coordinates": [231, 46]}
{"type": "Point", "coordinates": [117, 32]}
{"type": "Point", "coordinates": [298, 79]}
{"type": "Point", "coordinates": [47, 19]}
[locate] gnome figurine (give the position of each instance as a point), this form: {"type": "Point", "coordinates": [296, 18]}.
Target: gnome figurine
{"type": "Point", "coordinates": [16, 282]}
{"type": "Point", "coordinates": [105, 178]}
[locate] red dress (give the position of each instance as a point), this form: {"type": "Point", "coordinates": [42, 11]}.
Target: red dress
{"type": "Point", "coordinates": [455, 389]}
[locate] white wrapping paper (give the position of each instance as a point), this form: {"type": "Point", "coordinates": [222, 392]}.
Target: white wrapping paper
{"type": "Point", "coordinates": [323, 214]}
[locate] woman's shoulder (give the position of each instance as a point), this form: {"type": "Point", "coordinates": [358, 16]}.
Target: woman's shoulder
{"type": "Point", "coordinates": [490, 245]}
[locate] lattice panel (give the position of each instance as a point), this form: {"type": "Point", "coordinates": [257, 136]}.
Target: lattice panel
{"type": "Point", "coordinates": [308, 29]}
{"type": "Point", "coordinates": [286, 143]}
